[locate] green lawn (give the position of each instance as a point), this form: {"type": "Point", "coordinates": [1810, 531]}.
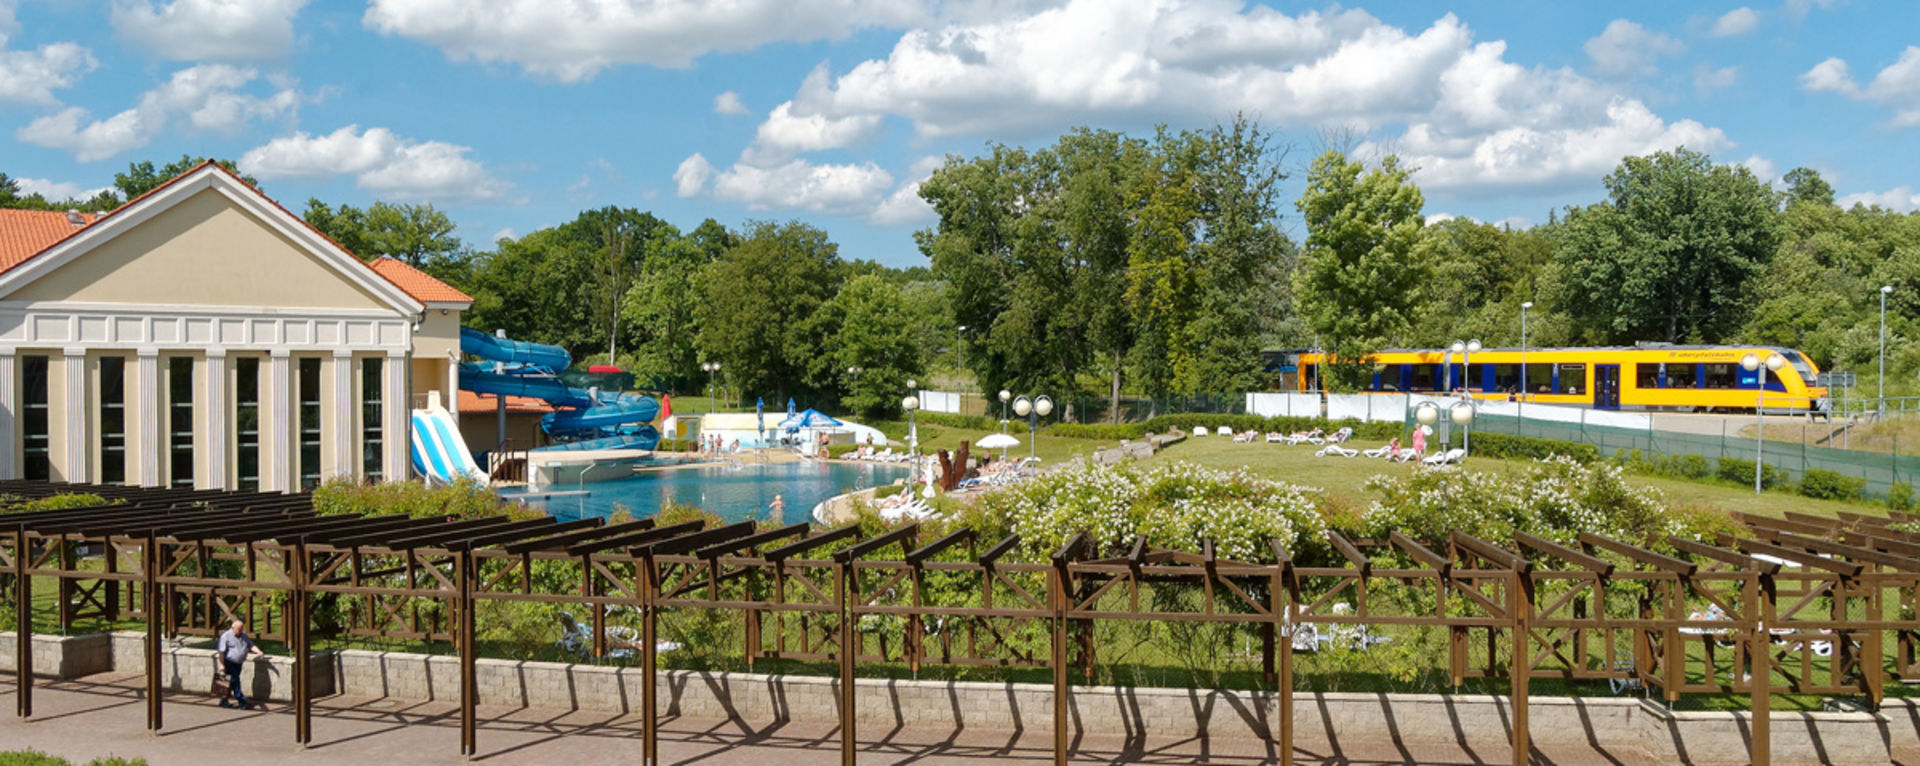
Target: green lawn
{"type": "Point", "coordinates": [1343, 478]}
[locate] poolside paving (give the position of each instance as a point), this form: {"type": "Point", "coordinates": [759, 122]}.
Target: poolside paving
{"type": "Point", "coordinates": [104, 715]}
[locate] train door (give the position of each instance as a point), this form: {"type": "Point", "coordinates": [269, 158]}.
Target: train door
{"type": "Point", "coordinates": [1606, 386]}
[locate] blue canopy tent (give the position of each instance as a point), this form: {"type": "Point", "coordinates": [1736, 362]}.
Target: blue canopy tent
{"type": "Point", "coordinates": [812, 418]}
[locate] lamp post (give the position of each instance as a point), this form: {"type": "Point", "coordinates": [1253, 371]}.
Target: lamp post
{"type": "Point", "coordinates": [854, 372]}
{"type": "Point", "coordinates": [1461, 414]}
{"type": "Point", "coordinates": [1033, 410]}
{"type": "Point", "coordinates": [911, 404]}
{"type": "Point", "coordinates": [959, 354]}
{"type": "Point", "coordinates": [1523, 351]}
{"type": "Point", "coordinates": [710, 368]}
{"type": "Point", "coordinates": [1752, 363]}
{"type": "Point", "coordinates": [1884, 291]}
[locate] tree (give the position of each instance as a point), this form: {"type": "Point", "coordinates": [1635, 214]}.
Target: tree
{"type": "Point", "coordinates": [661, 307]}
{"type": "Point", "coordinates": [1671, 255]}
{"type": "Point", "coordinates": [1362, 267]}
{"type": "Point", "coordinates": [755, 303]}
{"type": "Point", "coordinates": [867, 325]}
{"type": "Point", "coordinates": [11, 198]}
{"type": "Point", "coordinates": [141, 177]}
{"type": "Point", "coordinates": [1806, 185]}
{"type": "Point", "coordinates": [416, 234]}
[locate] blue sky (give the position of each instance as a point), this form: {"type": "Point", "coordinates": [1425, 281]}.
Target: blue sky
{"type": "Point", "coordinates": [515, 114]}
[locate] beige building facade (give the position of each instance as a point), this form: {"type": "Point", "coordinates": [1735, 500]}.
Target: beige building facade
{"type": "Point", "coordinates": [203, 336]}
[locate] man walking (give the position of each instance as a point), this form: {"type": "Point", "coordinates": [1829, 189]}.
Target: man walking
{"type": "Point", "coordinates": [231, 651]}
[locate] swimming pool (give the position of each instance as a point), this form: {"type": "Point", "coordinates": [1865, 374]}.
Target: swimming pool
{"type": "Point", "coordinates": [732, 492]}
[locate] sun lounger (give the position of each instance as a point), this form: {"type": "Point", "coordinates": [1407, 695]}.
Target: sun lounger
{"type": "Point", "coordinates": [1246, 437]}
{"type": "Point", "coordinates": [1302, 437]}
{"type": "Point", "coordinates": [1199, 430]}
{"type": "Point", "coordinates": [1336, 437]}
{"type": "Point", "coordinates": [1450, 457]}
{"type": "Point", "coordinates": [1274, 437]}
{"type": "Point", "coordinates": [1335, 450]}
{"type": "Point", "coordinates": [1385, 451]}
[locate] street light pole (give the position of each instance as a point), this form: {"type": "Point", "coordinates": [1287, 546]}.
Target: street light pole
{"type": "Point", "coordinates": [912, 404]}
{"type": "Point", "coordinates": [1753, 363]}
{"type": "Point", "coordinates": [1882, 409]}
{"type": "Point", "coordinates": [1004, 397]}
{"type": "Point", "coordinates": [959, 355]}
{"type": "Point", "coordinates": [1523, 351]}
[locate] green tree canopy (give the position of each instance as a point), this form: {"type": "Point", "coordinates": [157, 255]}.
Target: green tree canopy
{"type": "Point", "coordinates": [756, 302]}
{"type": "Point", "coordinates": [1362, 268]}
{"type": "Point", "coordinates": [141, 177]}
{"type": "Point", "coordinates": [868, 324]}
{"type": "Point", "coordinates": [1671, 255]}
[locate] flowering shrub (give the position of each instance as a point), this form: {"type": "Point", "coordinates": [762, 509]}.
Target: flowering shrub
{"type": "Point", "coordinates": [1555, 498]}
{"type": "Point", "coordinates": [1172, 504]}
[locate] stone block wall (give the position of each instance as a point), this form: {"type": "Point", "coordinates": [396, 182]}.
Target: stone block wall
{"type": "Point", "coordinates": [59, 656]}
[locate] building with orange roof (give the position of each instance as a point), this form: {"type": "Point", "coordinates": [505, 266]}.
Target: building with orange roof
{"type": "Point", "coordinates": [202, 335]}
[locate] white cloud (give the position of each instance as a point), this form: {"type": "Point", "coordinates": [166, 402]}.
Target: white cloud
{"type": "Point", "coordinates": [381, 162]}
{"type": "Point", "coordinates": [58, 191]}
{"type": "Point", "coordinates": [1737, 22]}
{"type": "Point", "coordinates": [728, 103]}
{"type": "Point", "coordinates": [208, 97]}
{"type": "Point", "coordinates": [904, 206]}
{"type": "Point", "coordinates": [1896, 87]}
{"type": "Point", "coordinates": [1465, 114]}
{"type": "Point", "coordinates": [32, 76]}
{"type": "Point", "coordinates": [1707, 79]}
{"type": "Point", "coordinates": [1762, 168]}
{"type": "Point", "coordinates": [692, 175]}
{"type": "Point", "coordinates": [847, 189]}
{"type": "Point", "coordinates": [1626, 48]}
{"type": "Point", "coordinates": [574, 41]}
{"type": "Point", "coordinates": [506, 233]}
{"type": "Point", "coordinates": [1798, 8]}
{"type": "Point", "coordinates": [1899, 199]}
{"type": "Point", "coordinates": [200, 30]}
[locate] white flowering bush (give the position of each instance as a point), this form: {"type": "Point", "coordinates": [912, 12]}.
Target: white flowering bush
{"type": "Point", "coordinates": [1172, 504]}
{"type": "Point", "coordinates": [1556, 498]}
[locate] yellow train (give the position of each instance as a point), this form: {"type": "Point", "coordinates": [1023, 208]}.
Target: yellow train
{"type": "Point", "coordinates": [1652, 377]}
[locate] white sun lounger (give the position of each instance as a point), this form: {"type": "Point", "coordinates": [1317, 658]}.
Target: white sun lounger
{"type": "Point", "coordinates": [1450, 457]}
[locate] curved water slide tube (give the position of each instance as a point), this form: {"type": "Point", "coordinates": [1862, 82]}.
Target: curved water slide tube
{"type": "Point", "coordinates": [519, 368]}
{"type": "Point", "coordinates": [439, 454]}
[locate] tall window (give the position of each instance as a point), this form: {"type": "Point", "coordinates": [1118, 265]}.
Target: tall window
{"type": "Point", "coordinates": [309, 422]}
{"type": "Point", "coordinates": [113, 420]}
{"type": "Point", "coordinates": [371, 422]}
{"type": "Point", "coordinates": [34, 419]}
{"type": "Point", "coordinates": [180, 421]}
{"type": "Point", "coordinates": [246, 421]}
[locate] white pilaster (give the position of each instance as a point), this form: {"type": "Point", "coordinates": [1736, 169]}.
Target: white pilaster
{"type": "Point", "coordinates": [213, 443]}
{"type": "Point", "coordinates": [75, 405]}
{"type": "Point", "coordinates": [344, 405]}
{"type": "Point", "coordinates": [452, 395]}
{"type": "Point", "coordinates": [153, 443]}
{"type": "Point", "coordinates": [277, 450]}
{"type": "Point", "coordinates": [9, 416]}
{"type": "Point", "coordinates": [399, 417]}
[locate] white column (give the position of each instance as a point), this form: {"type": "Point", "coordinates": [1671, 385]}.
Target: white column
{"type": "Point", "coordinates": [9, 416]}
{"type": "Point", "coordinates": [344, 405]}
{"type": "Point", "coordinates": [277, 453]}
{"type": "Point", "coordinates": [152, 442]}
{"type": "Point", "coordinates": [75, 405]}
{"type": "Point", "coordinates": [399, 416]}
{"type": "Point", "coordinates": [213, 443]}
{"type": "Point", "coordinates": [453, 384]}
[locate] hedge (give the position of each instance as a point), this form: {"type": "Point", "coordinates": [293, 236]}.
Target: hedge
{"type": "Point", "coordinates": [1530, 448]}
{"type": "Point", "coordinates": [1235, 423]}
{"type": "Point", "coordinates": [1823, 484]}
{"type": "Point", "coordinates": [1741, 472]}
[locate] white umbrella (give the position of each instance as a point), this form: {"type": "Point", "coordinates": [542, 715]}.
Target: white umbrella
{"type": "Point", "coordinates": [997, 441]}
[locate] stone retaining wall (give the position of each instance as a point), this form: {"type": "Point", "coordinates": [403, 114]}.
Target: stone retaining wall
{"type": "Point", "coordinates": [1476, 722]}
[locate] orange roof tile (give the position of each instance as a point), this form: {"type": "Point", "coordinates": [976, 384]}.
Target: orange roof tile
{"type": "Point", "coordinates": [472, 403]}
{"type": "Point", "coordinates": [419, 284]}
{"type": "Point", "coordinates": [25, 233]}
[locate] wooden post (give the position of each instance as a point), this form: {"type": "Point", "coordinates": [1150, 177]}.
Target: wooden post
{"type": "Point", "coordinates": [1760, 665]}
{"type": "Point", "coordinates": [1057, 586]}
{"type": "Point", "coordinates": [469, 678]}
{"type": "Point", "coordinates": [300, 637]}
{"type": "Point", "coordinates": [23, 617]}
{"type": "Point", "coordinates": [1521, 599]}
{"type": "Point", "coordinates": [649, 663]}
{"type": "Point", "coordinates": [156, 624]}
{"type": "Point", "coordinates": [1284, 688]}
{"type": "Point", "coordinates": [845, 590]}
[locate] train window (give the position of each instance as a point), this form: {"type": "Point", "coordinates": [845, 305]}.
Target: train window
{"type": "Point", "coordinates": [1722, 376]}
{"type": "Point", "coordinates": [1506, 377]}
{"type": "Point", "coordinates": [1647, 375]}
{"type": "Point", "coordinates": [1540, 378]}
{"type": "Point", "coordinates": [1425, 377]}
{"type": "Point", "coordinates": [1800, 366]}
{"type": "Point", "coordinates": [1682, 376]}
{"type": "Point", "coordinates": [1573, 378]}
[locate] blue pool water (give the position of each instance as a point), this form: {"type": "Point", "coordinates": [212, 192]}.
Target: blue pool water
{"type": "Point", "coordinates": [731, 492]}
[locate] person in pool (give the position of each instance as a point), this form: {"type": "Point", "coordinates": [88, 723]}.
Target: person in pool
{"type": "Point", "coordinates": [777, 510]}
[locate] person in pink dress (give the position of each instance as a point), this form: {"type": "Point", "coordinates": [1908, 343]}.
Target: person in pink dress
{"type": "Point", "coordinates": [1419, 442]}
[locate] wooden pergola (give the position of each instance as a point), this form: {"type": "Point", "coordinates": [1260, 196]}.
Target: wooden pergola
{"type": "Point", "coordinates": [1599, 609]}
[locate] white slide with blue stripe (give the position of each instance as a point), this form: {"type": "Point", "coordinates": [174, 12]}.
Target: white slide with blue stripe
{"type": "Point", "coordinates": [439, 454]}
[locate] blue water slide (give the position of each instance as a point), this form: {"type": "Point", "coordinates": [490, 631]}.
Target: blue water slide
{"type": "Point", "coordinates": [439, 454]}
{"type": "Point", "coordinates": [644, 437]}
{"type": "Point", "coordinates": [611, 410]}
{"type": "Point", "coordinates": [495, 349]}
{"type": "Point", "coordinates": [480, 378]}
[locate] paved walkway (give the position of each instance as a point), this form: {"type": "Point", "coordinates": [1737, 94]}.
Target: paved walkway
{"type": "Point", "coordinates": [103, 715]}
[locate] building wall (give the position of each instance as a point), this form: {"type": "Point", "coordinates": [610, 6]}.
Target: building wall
{"type": "Point", "coordinates": [210, 279]}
